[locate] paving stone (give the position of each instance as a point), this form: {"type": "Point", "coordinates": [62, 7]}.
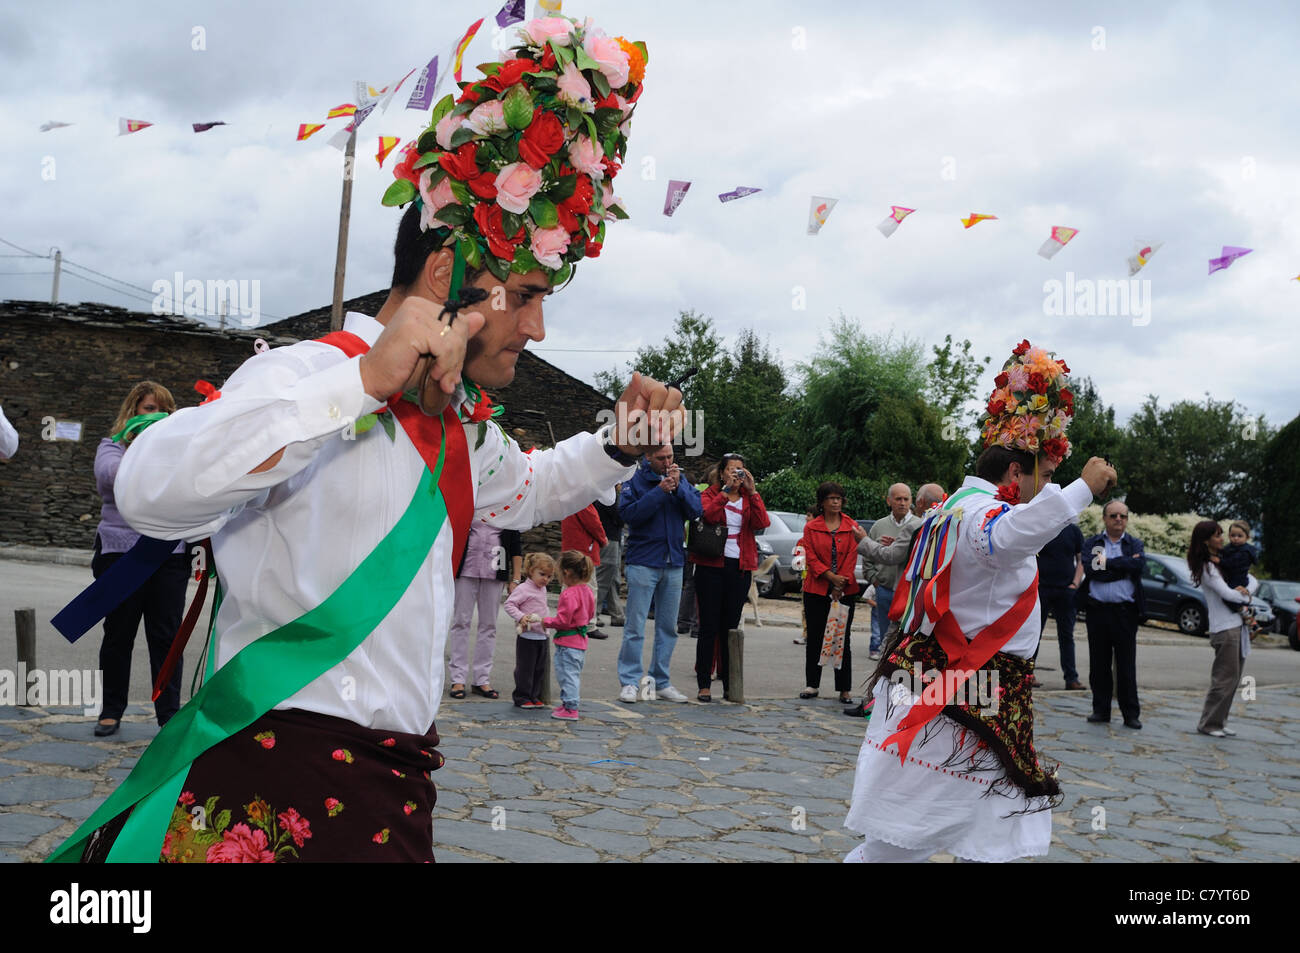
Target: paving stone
{"type": "Point", "coordinates": [598, 781]}
{"type": "Point", "coordinates": [1258, 825]}
{"type": "Point", "coordinates": [1285, 845]}
{"type": "Point", "coordinates": [780, 783]}
{"type": "Point", "coordinates": [656, 796]}
{"type": "Point", "coordinates": [78, 810]}
{"type": "Point", "coordinates": [626, 846]}
{"type": "Point", "coordinates": [514, 819]}
{"type": "Point", "coordinates": [607, 819]}
{"type": "Point", "coordinates": [509, 785]}
{"type": "Point", "coordinates": [450, 800]}
{"type": "Point", "coordinates": [19, 830]}
{"type": "Point", "coordinates": [13, 713]}
{"type": "Point", "coordinates": [660, 812]}
{"type": "Point", "coordinates": [61, 752]}
{"type": "Point", "coordinates": [750, 852]}
{"type": "Point", "coordinates": [10, 858]}
{"type": "Point", "coordinates": [32, 788]}
{"type": "Point", "coordinates": [778, 840]}
{"type": "Point", "coordinates": [719, 795]}
{"type": "Point", "coordinates": [518, 846]}
{"type": "Point", "coordinates": [681, 827]}
{"type": "Point", "coordinates": [8, 770]}
{"type": "Point", "coordinates": [1187, 828]}
{"type": "Point", "coordinates": [716, 819]}
{"type": "Point", "coordinates": [669, 856]}
{"type": "Point", "coordinates": [500, 755]}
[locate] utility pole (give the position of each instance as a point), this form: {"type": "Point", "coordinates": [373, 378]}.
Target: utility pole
{"type": "Point", "coordinates": [345, 216]}
{"type": "Point", "coordinates": [58, 263]}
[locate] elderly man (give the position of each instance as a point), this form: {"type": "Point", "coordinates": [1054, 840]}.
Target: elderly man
{"type": "Point", "coordinates": [928, 497]}
{"type": "Point", "coordinates": [901, 523]}
{"type": "Point", "coordinates": [1112, 590]}
{"type": "Point", "coordinates": [656, 503]}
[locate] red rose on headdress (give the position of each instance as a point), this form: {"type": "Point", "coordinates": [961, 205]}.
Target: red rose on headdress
{"type": "Point", "coordinates": [995, 407]}
{"type": "Point", "coordinates": [1021, 348]}
{"type": "Point", "coordinates": [579, 203]}
{"type": "Point", "coordinates": [1064, 367]}
{"type": "Point", "coordinates": [461, 164]}
{"type": "Point", "coordinates": [487, 215]}
{"type": "Point", "coordinates": [511, 72]}
{"type": "Point", "coordinates": [593, 249]}
{"type": "Point", "coordinates": [405, 168]}
{"type": "Point", "coordinates": [542, 139]}
{"type": "Point", "coordinates": [1001, 380]}
{"type": "Point", "coordinates": [1067, 401]}
{"type": "Point", "coordinates": [636, 93]}
{"type": "Point", "coordinates": [568, 221]}
{"type": "Point", "coordinates": [484, 185]}
{"type": "Point", "coordinates": [471, 94]}
{"type": "Point", "coordinates": [607, 102]}
{"type": "Point", "coordinates": [548, 58]}
{"type": "Point", "coordinates": [1056, 448]}
{"type": "Point", "coordinates": [1038, 383]}
{"type": "Point", "coordinates": [611, 166]}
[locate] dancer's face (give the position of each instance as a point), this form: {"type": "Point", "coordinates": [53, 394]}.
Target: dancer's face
{"type": "Point", "coordinates": [512, 317]}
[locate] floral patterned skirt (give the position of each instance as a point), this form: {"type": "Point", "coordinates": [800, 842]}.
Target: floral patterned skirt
{"type": "Point", "coordinates": [299, 786]}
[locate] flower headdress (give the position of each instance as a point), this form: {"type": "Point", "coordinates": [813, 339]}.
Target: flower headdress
{"type": "Point", "coordinates": [518, 173]}
{"type": "Point", "coordinates": [1031, 407]}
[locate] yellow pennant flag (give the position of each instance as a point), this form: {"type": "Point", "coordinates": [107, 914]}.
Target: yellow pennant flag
{"type": "Point", "coordinates": [976, 217]}
{"type": "Point", "coordinates": [346, 109]}
{"type": "Point", "coordinates": [307, 129]}
{"type": "Point", "coordinates": [386, 145]}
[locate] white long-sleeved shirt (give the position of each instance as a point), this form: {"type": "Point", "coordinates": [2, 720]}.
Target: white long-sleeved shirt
{"type": "Point", "coordinates": [1222, 602]}
{"type": "Point", "coordinates": [285, 539]}
{"type": "Point", "coordinates": [8, 437]}
{"type": "Point", "coordinates": [997, 559]}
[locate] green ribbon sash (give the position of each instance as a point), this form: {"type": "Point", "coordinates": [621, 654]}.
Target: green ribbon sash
{"type": "Point", "coordinates": [135, 425]}
{"type": "Point", "coordinates": [263, 674]}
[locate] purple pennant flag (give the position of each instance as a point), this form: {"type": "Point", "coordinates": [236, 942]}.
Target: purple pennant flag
{"type": "Point", "coordinates": [1230, 254]}
{"type": "Point", "coordinates": [362, 113]}
{"type": "Point", "coordinates": [739, 192]}
{"type": "Point", "coordinates": [422, 95]}
{"type": "Point", "coordinates": [676, 192]}
{"type": "Point", "coordinates": [205, 126]}
{"type": "Point", "coordinates": [512, 11]}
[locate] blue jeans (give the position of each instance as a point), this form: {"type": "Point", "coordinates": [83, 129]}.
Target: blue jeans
{"type": "Point", "coordinates": [880, 617]}
{"type": "Point", "coordinates": [568, 672]}
{"type": "Point", "coordinates": [663, 584]}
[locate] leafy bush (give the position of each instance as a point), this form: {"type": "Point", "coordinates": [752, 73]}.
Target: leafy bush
{"type": "Point", "coordinates": [792, 492]}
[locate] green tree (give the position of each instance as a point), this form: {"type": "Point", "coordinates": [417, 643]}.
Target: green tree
{"type": "Point", "coordinates": [954, 378]}
{"type": "Point", "coordinates": [749, 410]}
{"type": "Point", "coordinates": [693, 342]}
{"type": "Point", "coordinates": [1093, 432]}
{"type": "Point", "coordinates": [1280, 529]}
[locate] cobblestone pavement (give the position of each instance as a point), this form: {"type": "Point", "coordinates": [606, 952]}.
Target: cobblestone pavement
{"type": "Point", "coordinates": [768, 781]}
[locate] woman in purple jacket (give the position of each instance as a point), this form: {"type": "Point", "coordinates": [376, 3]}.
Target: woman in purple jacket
{"type": "Point", "coordinates": [161, 600]}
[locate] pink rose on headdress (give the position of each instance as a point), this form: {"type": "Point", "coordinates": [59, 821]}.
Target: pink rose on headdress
{"type": "Point", "coordinates": [586, 157]}
{"type": "Point", "coordinates": [1018, 377]}
{"type": "Point", "coordinates": [574, 90]}
{"type": "Point", "coordinates": [549, 28]}
{"type": "Point", "coordinates": [549, 245]}
{"type": "Point", "coordinates": [516, 184]}
{"type": "Point", "coordinates": [446, 126]}
{"type": "Point", "coordinates": [609, 56]}
{"type": "Point", "coordinates": [487, 118]}
{"type": "Point", "coordinates": [609, 199]}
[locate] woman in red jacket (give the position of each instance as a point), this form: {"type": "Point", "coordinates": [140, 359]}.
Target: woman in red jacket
{"type": "Point", "coordinates": [830, 545]}
{"type": "Point", "coordinates": [722, 583]}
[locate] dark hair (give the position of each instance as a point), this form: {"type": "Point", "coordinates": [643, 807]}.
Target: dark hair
{"type": "Point", "coordinates": [826, 489]}
{"type": "Point", "coordinates": [715, 475]}
{"type": "Point", "coordinates": [1198, 552]}
{"type": "Point", "coordinates": [413, 247]}
{"type": "Point", "coordinates": [993, 463]}
{"type": "Point", "coordinates": [579, 564]}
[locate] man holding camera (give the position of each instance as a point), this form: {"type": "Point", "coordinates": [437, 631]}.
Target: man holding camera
{"type": "Point", "coordinates": [656, 503]}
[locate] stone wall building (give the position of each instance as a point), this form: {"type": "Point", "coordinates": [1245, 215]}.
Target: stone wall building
{"type": "Point", "coordinates": [76, 363]}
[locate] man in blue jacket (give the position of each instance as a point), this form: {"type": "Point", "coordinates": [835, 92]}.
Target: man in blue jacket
{"type": "Point", "coordinates": [655, 504]}
{"type": "Point", "coordinates": [1112, 588]}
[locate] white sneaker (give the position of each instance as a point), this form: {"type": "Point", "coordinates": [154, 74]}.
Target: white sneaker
{"type": "Point", "coordinates": [628, 694]}
{"type": "Point", "coordinates": [1228, 731]}
{"type": "Point", "coordinates": [671, 694]}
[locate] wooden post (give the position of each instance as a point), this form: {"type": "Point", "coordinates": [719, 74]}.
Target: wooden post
{"type": "Point", "coordinates": [736, 664]}
{"type": "Point", "coordinates": [345, 217]}
{"type": "Point", "coordinates": [25, 627]}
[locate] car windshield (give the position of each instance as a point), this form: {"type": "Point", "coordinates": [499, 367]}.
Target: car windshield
{"type": "Point", "coordinates": [1177, 566]}
{"type": "Point", "coordinates": [791, 522]}
{"type": "Point", "coordinates": [1284, 591]}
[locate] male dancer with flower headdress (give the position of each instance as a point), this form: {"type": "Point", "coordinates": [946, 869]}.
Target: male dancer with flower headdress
{"type": "Point", "coordinates": [336, 528]}
{"type": "Point", "coordinates": [948, 763]}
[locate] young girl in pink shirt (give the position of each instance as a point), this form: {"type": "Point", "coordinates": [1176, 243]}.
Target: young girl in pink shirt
{"type": "Point", "coordinates": [527, 605]}
{"type": "Point", "coordinates": [572, 616]}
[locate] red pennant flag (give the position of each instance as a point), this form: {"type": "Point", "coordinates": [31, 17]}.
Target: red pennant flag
{"type": "Point", "coordinates": [386, 145]}
{"type": "Point", "coordinates": [307, 129]}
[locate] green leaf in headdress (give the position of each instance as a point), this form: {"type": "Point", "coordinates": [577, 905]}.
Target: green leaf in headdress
{"type": "Point", "coordinates": [399, 193]}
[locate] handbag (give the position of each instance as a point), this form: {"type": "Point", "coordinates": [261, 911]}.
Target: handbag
{"type": "Point", "coordinates": [706, 539]}
{"type": "Point", "coordinates": [833, 639]}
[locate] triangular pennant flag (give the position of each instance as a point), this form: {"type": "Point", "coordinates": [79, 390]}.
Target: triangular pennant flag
{"type": "Point", "coordinates": [205, 126]}
{"type": "Point", "coordinates": [392, 90]}
{"type": "Point", "coordinates": [362, 113]}
{"type": "Point", "coordinates": [552, 7]}
{"type": "Point", "coordinates": [1060, 237]}
{"type": "Point", "coordinates": [976, 217]}
{"type": "Point", "coordinates": [1230, 254]}
{"type": "Point", "coordinates": [1141, 255]}
{"type": "Point", "coordinates": [512, 11]}
{"type": "Point", "coordinates": [422, 94]}
{"type": "Point", "coordinates": [819, 209]}
{"type": "Point", "coordinates": [462, 45]}
{"type": "Point", "coordinates": [47, 126]}
{"type": "Point", "coordinates": [739, 192]}
{"type": "Point", "coordinates": [386, 145]}
{"type": "Point", "coordinates": [308, 129]}
{"type": "Point", "coordinates": [895, 218]}
{"type": "Point", "coordinates": [676, 192]}
{"type": "Point", "coordinates": [127, 126]}
{"type": "Point", "coordinates": [343, 109]}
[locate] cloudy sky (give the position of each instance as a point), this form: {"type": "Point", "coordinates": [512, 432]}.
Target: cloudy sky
{"type": "Point", "coordinates": [1126, 121]}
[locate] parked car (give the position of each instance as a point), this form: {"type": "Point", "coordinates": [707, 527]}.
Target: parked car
{"type": "Point", "coordinates": [1171, 597]}
{"type": "Point", "coordinates": [780, 539]}
{"type": "Point", "coordinates": [1282, 595]}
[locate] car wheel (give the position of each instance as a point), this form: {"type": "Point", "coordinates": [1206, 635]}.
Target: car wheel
{"type": "Point", "coordinates": [768, 587]}
{"type": "Point", "coordinates": [1191, 619]}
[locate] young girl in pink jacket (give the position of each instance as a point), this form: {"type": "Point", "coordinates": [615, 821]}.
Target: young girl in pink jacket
{"type": "Point", "coordinates": [527, 605]}
{"type": "Point", "coordinates": [572, 616]}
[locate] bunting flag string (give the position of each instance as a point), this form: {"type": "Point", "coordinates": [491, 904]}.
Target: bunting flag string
{"type": "Point", "coordinates": [386, 145]}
